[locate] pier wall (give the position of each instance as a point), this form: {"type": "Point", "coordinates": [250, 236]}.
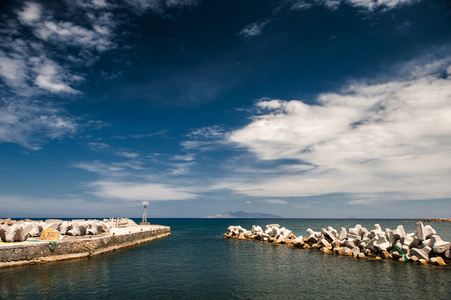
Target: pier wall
{"type": "Point", "coordinates": [15, 254]}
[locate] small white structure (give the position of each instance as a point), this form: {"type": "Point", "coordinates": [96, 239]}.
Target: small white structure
{"type": "Point", "coordinates": [144, 221]}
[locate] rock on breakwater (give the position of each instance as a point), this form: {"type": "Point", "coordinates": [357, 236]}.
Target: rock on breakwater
{"type": "Point", "coordinates": [424, 245]}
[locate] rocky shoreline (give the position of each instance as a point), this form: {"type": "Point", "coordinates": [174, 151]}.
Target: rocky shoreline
{"type": "Point", "coordinates": [438, 220]}
{"type": "Point", "coordinates": [423, 246]}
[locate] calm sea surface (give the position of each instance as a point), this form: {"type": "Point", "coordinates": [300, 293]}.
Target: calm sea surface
{"type": "Point", "coordinates": [196, 263]}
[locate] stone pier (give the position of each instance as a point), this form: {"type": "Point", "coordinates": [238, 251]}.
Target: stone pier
{"type": "Point", "coordinates": [32, 252]}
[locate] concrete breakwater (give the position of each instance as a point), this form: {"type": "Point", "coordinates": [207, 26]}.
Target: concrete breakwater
{"type": "Point", "coordinates": [423, 246]}
{"type": "Point", "coordinates": [34, 251]}
{"type": "Point", "coordinates": [19, 231]}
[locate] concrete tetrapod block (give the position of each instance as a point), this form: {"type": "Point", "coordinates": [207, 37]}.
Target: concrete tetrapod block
{"type": "Point", "coordinates": [420, 253]}
{"type": "Point", "coordinates": [19, 234]}
{"type": "Point", "coordinates": [438, 245]}
{"type": "Point", "coordinates": [343, 234]}
{"type": "Point", "coordinates": [104, 228]}
{"type": "Point", "coordinates": [424, 232]}
{"type": "Point", "coordinates": [34, 232]}
{"type": "Point", "coordinates": [92, 229]}
{"type": "Point", "coordinates": [390, 235]}
{"type": "Point", "coordinates": [27, 227]}
{"type": "Point", "coordinates": [82, 227]}
{"type": "Point", "coordinates": [382, 242]}
{"type": "Point", "coordinates": [408, 241]}
{"type": "Point", "coordinates": [54, 221]}
{"type": "Point", "coordinates": [248, 234]}
{"type": "Point", "coordinates": [256, 229]}
{"type": "Point", "coordinates": [401, 231]}
{"type": "Point", "coordinates": [10, 233]}
{"type": "Point", "coordinates": [63, 227]}
{"type": "Point", "coordinates": [73, 229]}
{"type": "Point", "coordinates": [327, 235]}
{"type": "Point", "coordinates": [326, 244]}
{"type": "Point", "coordinates": [299, 241]}
{"type": "Point", "coordinates": [333, 232]}
{"type": "Point", "coordinates": [3, 230]}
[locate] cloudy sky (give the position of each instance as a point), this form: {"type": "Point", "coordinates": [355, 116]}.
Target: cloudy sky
{"type": "Point", "coordinates": [298, 108]}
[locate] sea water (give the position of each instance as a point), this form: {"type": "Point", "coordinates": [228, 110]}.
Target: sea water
{"type": "Point", "coordinates": [195, 262]}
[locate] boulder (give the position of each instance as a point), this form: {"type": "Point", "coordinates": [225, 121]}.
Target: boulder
{"type": "Point", "coordinates": [419, 253]}
{"type": "Point", "coordinates": [438, 245]}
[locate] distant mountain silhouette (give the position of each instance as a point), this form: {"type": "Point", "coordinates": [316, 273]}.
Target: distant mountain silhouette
{"type": "Point", "coordinates": [244, 215]}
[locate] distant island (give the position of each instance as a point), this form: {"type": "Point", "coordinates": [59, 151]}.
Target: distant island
{"type": "Point", "coordinates": [244, 215]}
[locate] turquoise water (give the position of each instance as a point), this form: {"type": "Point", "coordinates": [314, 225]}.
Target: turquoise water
{"type": "Point", "coordinates": [196, 263]}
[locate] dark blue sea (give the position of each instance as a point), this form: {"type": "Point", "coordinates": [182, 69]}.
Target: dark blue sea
{"type": "Point", "coordinates": [195, 262]}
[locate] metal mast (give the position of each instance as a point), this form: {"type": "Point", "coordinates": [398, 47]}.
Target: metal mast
{"type": "Point", "coordinates": [145, 204]}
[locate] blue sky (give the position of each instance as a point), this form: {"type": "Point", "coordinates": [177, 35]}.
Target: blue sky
{"type": "Point", "coordinates": [321, 108]}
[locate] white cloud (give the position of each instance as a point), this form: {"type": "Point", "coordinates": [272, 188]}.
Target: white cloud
{"type": "Point", "coordinates": [131, 191]}
{"type": "Point", "coordinates": [30, 123]}
{"type": "Point", "coordinates": [101, 168]}
{"type": "Point", "coordinates": [127, 154]}
{"type": "Point", "coordinates": [98, 146]}
{"type": "Point", "coordinates": [31, 13]}
{"type": "Point", "coordinates": [160, 6]}
{"type": "Point", "coordinates": [188, 157]}
{"type": "Point", "coordinates": [209, 132]}
{"type": "Point", "coordinates": [181, 168]}
{"type": "Point", "coordinates": [383, 4]}
{"type": "Point", "coordinates": [50, 76]}
{"type": "Point", "coordinates": [367, 5]}
{"type": "Point", "coordinates": [253, 29]}
{"type": "Point", "coordinates": [391, 137]}
{"type": "Point", "coordinates": [276, 201]}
